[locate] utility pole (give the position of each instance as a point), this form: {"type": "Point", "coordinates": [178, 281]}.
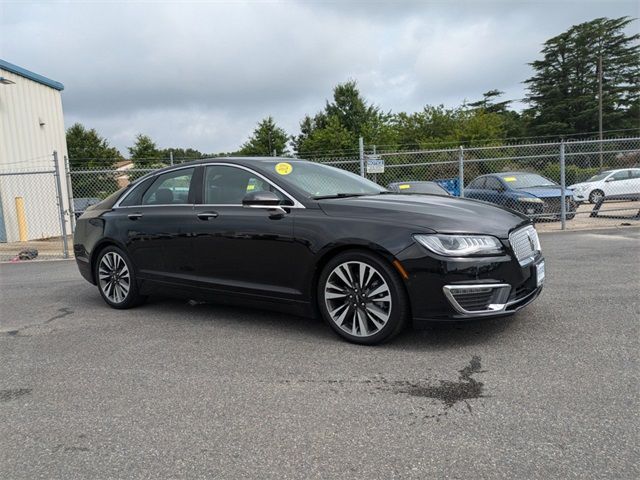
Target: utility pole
{"type": "Point", "coordinates": [361, 151]}
{"type": "Point", "coordinates": [600, 107]}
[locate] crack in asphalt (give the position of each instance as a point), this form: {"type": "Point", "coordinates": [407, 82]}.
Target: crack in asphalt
{"type": "Point", "coordinates": [13, 393]}
{"type": "Point", "coordinates": [62, 312]}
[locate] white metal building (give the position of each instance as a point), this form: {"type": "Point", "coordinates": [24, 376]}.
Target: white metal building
{"type": "Point", "coordinates": [31, 128]}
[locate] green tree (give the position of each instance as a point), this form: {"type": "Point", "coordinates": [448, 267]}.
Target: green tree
{"type": "Point", "coordinates": [563, 93]}
{"type": "Point", "coordinates": [144, 153]}
{"type": "Point", "coordinates": [267, 139]}
{"type": "Point", "coordinates": [332, 139]}
{"type": "Point", "coordinates": [87, 149]}
{"type": "Point", "coordinates": [352, 111]}
{"type": "Point", "coordinates": [347, 116]}
{"type": "Point", "coordinates": [182, 154]}
{"type": "Point", "coordinates": [440, 126]}
{"type": "Point", "coordinates": [490, 104]}
{"type": "Point", "coordinates": [513, 123]}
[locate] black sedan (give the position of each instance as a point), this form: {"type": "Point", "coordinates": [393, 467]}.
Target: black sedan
{"type": "Point", "coordinates": [308, 239]}
{"type": "Point", "coordinates": [423, 187]}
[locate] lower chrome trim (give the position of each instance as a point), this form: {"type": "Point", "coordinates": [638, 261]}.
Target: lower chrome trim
{"type": "Point", "coordinates": [499, 297]}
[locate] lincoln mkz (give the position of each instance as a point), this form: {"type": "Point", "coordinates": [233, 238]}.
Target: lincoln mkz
{"type": "Point", "coordinates": [309, 239]}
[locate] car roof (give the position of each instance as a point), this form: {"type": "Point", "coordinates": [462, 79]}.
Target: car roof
{"type": "Point", "coordinates": [414, 182]}
{"type": "Point", "coordinates": [238, 160]}
{"type": "Point", "coordinates": [243, 161]}
{"type": "Point", "coordinates": [502, 174]}
{"type": "Point", "coordinates": [614, 170]}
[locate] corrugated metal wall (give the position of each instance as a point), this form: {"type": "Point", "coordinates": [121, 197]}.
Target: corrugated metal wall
{"type": "Point", "coordinates": [31, 128]}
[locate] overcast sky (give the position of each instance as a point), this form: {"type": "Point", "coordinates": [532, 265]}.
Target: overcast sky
{"type": "Point", "coordinates": [202, 73]}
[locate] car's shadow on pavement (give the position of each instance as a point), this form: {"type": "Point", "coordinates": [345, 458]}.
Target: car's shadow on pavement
{"type": "Point", "coordinates": [437, 335]}
{"type": "Point", "coordinates": [446, 335]}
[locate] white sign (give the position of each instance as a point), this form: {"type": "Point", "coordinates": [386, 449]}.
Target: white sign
{"type": "Point", "coordinates": [375, 164]}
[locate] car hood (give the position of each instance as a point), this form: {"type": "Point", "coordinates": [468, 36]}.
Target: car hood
{"type": "Point", "coordinates": [545, 192]}
{"type": "Point", "coordinates": [433, 212]}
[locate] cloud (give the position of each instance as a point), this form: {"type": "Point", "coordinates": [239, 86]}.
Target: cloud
{"type": "Point", "coordinates": [202, 74]}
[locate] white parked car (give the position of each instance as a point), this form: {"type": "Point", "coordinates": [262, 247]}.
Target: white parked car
{"type": "Point", "coordinates": [612, 182]}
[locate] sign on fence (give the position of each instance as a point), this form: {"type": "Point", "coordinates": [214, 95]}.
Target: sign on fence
{"type": "Point", "coordinates": [375, 164]}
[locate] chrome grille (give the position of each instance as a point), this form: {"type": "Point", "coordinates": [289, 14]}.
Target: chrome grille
{"type": "Point", "coordinates": [525, 243]}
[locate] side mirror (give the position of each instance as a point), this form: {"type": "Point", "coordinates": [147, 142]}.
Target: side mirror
{"type": "Point", "coordinates": [266, 200]}
{"type": "Point", "coordinates": [260, 199]}
{"type": "Point", "coordinates": [610, 179]}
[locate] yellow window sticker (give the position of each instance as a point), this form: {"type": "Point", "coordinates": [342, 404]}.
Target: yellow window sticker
{"type": "Point", "coordinates": [404, 187]}
{"type": "Point", "coordinates": [510, 179]}
{"type": "Point", "coordinates": [250, 187]}
{"type": "Point", "coordinates": [284, 168]}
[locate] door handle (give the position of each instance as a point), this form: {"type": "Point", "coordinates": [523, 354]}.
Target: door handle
{"type": "Point", "coordinates": [134, 216]}
{"type": "Point", "coordinates": [207, 215]}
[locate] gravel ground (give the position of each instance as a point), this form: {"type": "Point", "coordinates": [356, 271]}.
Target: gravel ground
{"type": "Point", "coordinates": [182, 390]}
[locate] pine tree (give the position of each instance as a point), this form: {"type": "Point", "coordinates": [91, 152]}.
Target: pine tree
{"type": "Point", "coordinates": [563, 93]}
{"type": "Point", "coordinates": [267, 139]}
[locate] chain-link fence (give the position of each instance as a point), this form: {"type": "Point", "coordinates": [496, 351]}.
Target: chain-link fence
{"type": "Point", "coordinates": [34, 214]}
{"type": "Point", "coordinates": [573, 185]}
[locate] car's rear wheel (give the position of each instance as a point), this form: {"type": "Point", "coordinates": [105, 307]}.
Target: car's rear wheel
{"type": "Point", "coordinates": [116, 279]}
{"type": "Point", "coordinates": [596, 196]}
{"type": "Point", "coordinates": [362, 298]}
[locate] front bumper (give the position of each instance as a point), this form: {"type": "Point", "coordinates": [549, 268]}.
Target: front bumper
{"type": "Point", "coordinates": [549, 209]}
{"type": "Point", "coordinates": [432, 280]}
{"type": "Point", "coordinates": [581, 196]}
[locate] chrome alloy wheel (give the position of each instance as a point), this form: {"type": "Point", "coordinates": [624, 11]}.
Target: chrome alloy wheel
{"type": "Point", "coordinates": [358, 298]}
{"type": "Point", "coordinates": [114, 278]}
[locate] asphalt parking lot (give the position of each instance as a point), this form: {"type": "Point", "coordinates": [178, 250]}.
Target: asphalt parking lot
{"type": "Point", "coordinates": [184, 390]}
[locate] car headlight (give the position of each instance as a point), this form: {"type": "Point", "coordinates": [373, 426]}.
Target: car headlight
{"type": "Point", "coordinates": [460, 245]}
{"type": "Point", "coordinates": [530, 200]}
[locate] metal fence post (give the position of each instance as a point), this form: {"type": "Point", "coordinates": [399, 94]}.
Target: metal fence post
{"type": "Point", "coordinates": [63, 223]}
{"type": "Point", "coordinates": [563, 205]}
{"type": "Point", "coordinates": [170, 157]}
{"type": "Point", "coordinates": [72, 213]}
{"type": "Point", "coordinates": [361, 148]}
{"type": "Point", "coordinates": [461, 170]}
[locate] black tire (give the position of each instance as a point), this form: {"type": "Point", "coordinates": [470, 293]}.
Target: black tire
{"type": "Point", "coordinates": [378, 276]}
{"type": "Point", "coordinates": [595, 195]}
{"type": "Point", "coordinates": [114, 295]}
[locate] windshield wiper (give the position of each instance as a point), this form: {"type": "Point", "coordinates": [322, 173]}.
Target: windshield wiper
{"type": "Point", "coordinates": [340, 195]}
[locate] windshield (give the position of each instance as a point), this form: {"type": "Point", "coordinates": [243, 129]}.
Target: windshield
{"type": "Point", "coordinates": [317, 180]}
{"type": "Point", "coordinates": [526, 180]}
{"type": "Point", "coordinates": [599, 176]}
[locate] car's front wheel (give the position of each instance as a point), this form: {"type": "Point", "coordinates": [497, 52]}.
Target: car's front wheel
{"type": "Point", "coordinates": [596, 196]}
{"type": "Point", "coordinates": [362, 298]}
{"type": "Point", "coordinates": [116, 279]}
